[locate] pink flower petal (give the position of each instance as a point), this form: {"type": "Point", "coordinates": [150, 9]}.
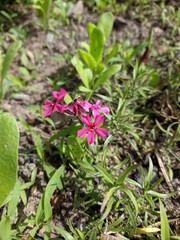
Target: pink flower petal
{"type": "Point", "coordinates": [90, 137]}
{"type": "Point", "coordinates": [62, 93]}
{"type": "Point", "coordinates": [102, 132]}
{"type": "Point", "coordinates": [47, 112]}
{"type": "Point", "coordinates": [98, 103]}
{"type": "Point", "coordinates": [104, 110]}
{"type": "Point", "coordinates": [83, 132]}
{"type": "Point", "coordinates": [59, 96]}
{"type": "Point", "coordinates": [55, 94]}
{"type": "Point", "coordinates": [86, 120]}
{"type": "Point", "coordinates": [98, 120]}
{"type": "Point", "coordinates": [95, 113]}
{"type": "Point", "coordinates": [47, 104]}
{"type": "Point", "coordinates": [58, 108]}
{"type": "Point", "coordinates": [87, 106]}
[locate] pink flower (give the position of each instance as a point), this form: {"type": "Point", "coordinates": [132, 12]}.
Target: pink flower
{"type": "Point", "coordinates": [92, 128]}
{"type": "Point", "coordinates": [49, 107]}
{"type": "Point", "coordinates": [59, 96]}
{"type": "Point", "coordinates": [96, 108]}
{"type": "Point", "coordinates": [77, 106]}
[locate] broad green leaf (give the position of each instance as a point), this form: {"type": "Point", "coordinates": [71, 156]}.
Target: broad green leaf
{"type": "Point", "coordinates": [9, 143]}
{"type": "Point", "coordinates": [105, 23]}
{"type": "Point", "coordinates": [165, 230]}
{"type": "Point", "coordinates": [81, 71]}
{"type": "Point", "coordinates": [84, 89]}
{"type": "Point", "coordinates": [46, 7]}
{"type": "Point", "coordinates": [67, 99]}
{"type": "Point", "coordinates": [107, 74]}
{"type": "Point", "coordinates": [88, 59]}
{"type": "Point", "coordinates": [10, 54]}
{"type": "Point", "coordinates": [90, 28]}
{"type": "Point", "coordinates": [97, 44]}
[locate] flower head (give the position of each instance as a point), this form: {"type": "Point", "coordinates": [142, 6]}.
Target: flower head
{"type": "Point", "coordinates": [49, 107]}
{"type": "Point", "coordinates": [77, 106]}
{"type": "Point", "coordinates": [92, 128]}
{"type": "Point", "coordinates": [96, 108]}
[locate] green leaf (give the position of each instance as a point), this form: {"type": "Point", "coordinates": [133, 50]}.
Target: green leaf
{"type": "Point", "coordinates": [53, 183]}
{"type": "Point", "coordinates": [109, 179]}
{"type": "Point", "coordinates": [165, 230]}
{"type": "Point", "coordinates": [14, 201]}
{"type": "Point", "coordinates": [97, 44]}
{"type": "Point", "coordinates": [9, 143]}
{"type": "Point", "coordinates": [161, 195]}
{"type": "Point", "coordinates": [90, 28]}
{"type": "Point", "coordinates": [88, 59]}
{"type": "Point", "coordinates": [105, 23]}
{"type": "Point", "coordinates": [10, 54]}
{"type": "Point", "coordinates": [125, 173]}
{"type": "Point", "coordinates": [84, 89]}
{"type": "Point", "coordinates": [131, 197]}
{"type": "Point", "coordinates": [79, 67]}
{"type": "Point", "coordinates": [107, 74]}
{"type": "Point", "coordinates": [5, 229]}
{"type": "Point", "coordinates": [74, 147]}
{"type": "Point", "coordinates": [63, 233]}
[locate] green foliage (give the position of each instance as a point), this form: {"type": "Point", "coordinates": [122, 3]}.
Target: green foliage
{"type": "Point", "coordinates": [6, 233]}
{"type": "Point", "coordinates": [165, 230]}
{"type": "Point", "coordinates": [43, 8]}
{"type": "Point", "coordinates": [6, 62]}
{"type": "Point", "coordinates": [93, 68]}
{"type": "Point", "coordinates": [9, 142]}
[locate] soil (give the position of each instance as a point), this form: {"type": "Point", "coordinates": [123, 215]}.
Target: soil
{"type": "Point", "coordinates": [63, 41]}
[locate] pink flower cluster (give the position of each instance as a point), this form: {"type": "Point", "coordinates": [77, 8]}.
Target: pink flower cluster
{"type": "Point", "coordinates": [87, 113]}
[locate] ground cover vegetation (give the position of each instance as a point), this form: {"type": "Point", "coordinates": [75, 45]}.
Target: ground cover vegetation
{"type": "Point", "coordinates": [89, 119]}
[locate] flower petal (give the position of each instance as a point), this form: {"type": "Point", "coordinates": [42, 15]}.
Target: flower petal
{"type": "Point", "coordinates": [95, 113]}
{"type": "Point", "coordinates": [98, 119]}
{"type": "Point", "coordinates": [86, 106]}
{"type": "Point", "coordinates": [55, 94]}
{"type": "Point", "coordinates": [98, 103]}
{"type": "Point", "coordinates": [59, 96]}
{"type": "Point", "coordinates": [47, 104]}
{"type": "Point", "coordinates": [90, 137]}
{"type": "Point", "coordinates": [58, 108]}
{"type": "Point", "coordinates": [83, 132]}
{"type": "Point", "coordinates": [48, 112]}
{"type": "Point", "coordinates": [62, 93]}
{"type": "Point", "coordinates": [86, 120]}
{"type": "Point", "coordinates": [102, 132]}
{"type": "Point", "coordinates": [104, 110]}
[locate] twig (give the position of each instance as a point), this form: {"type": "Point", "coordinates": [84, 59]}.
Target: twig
{"type": "Point", "coordinates": [164, 172]}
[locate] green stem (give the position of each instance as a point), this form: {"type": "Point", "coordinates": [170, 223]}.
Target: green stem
{"type": "Point", "coordinates": [1, 89]}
